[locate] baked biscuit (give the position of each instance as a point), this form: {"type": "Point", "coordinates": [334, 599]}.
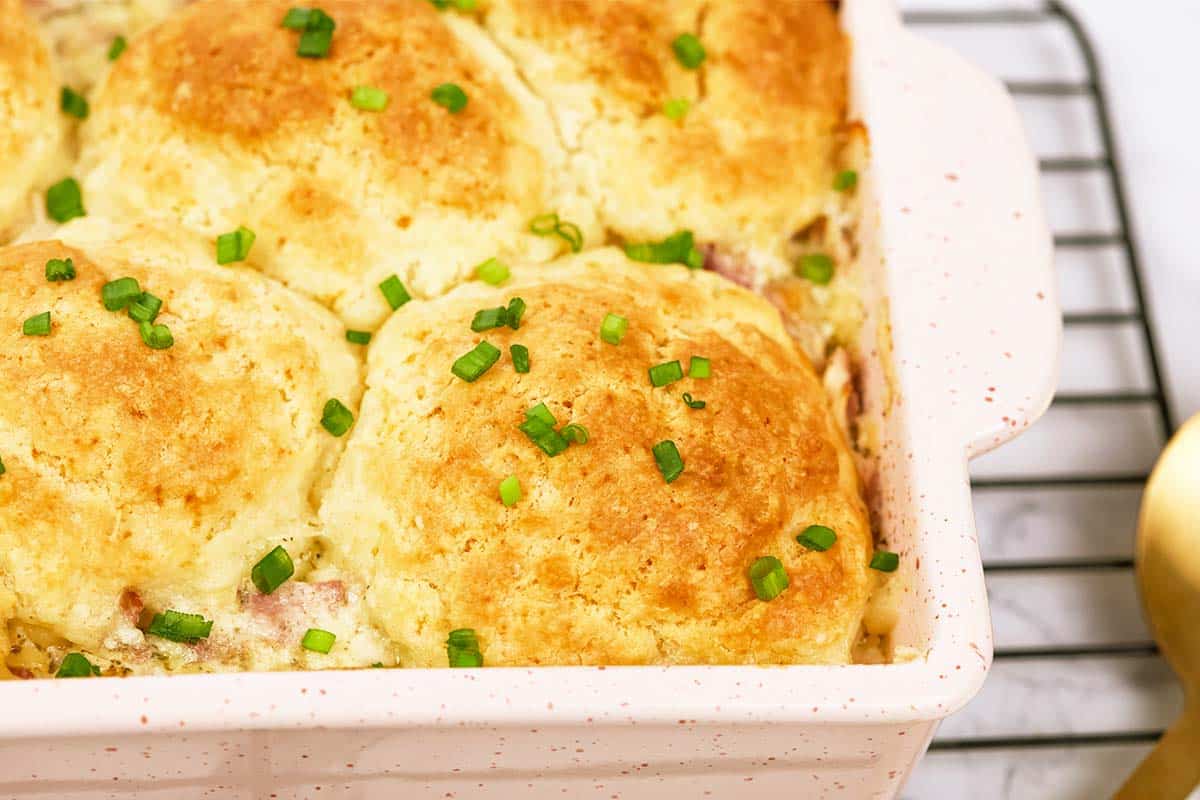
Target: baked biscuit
{"type": "Point", "coordinates": [212, 118]}
{"type": "Point", "coordinates": [601, 561]}
{"type": "Point", "coordinates": [138, 480]}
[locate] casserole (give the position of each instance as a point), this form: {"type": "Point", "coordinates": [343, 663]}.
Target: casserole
{"type": "Point", "coordinates": [957, 259]}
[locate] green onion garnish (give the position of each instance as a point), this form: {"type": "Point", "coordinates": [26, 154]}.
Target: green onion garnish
{"type": "Point", "coordinates": [510, 491]}
{"type": "Point", "coordinates": [540, 412]}
{"type": "Point", "coordinates": [116, 48]}
{"type": "Point", "coordinates": [662, 374]}
{"type": "Point", "coordinates": [677, 108]}
{"type": "Point", "coordinates": [316, 31]}
{"type": "Point", "coordinates": [145, 308]}
{"type": "Point", "coordinates": [461, 5]}
{"type": "Point", "coordinates": [60, 269]}
{"type": "Point", "coordinates": [688, 50]}
{"type": "Point", "coordinates": [678, 248]}
{"type": "Point", "coordinates": [462, 649]}
{"type": "Point", "coordinates": [76, 665]}
{"type": "Point", "coordinates": [817, 537]}
{"type": "Point", "coordinates": [73, 103]}
{"type": "Point", "coordinates": [358, 337]}
{"type": "Point", "coordinates": [488, 318]}
{"type": "Point", "coordinates": [2, 469]}
{"type": "Point", "coordinates": [551, 225]}
{"type": "Point", "coordinates": [693, 403]}
{"type": "Point", "coordinates": [514, 312]}
{"type": "Point", "coordinates": [817, 267]}
{"type": "Point", "coordinates": [472, 364]}
{"type": "Point", "coordinates": [156, 337]}
{"type": "Point", "coordinates": [317, 640]}
{"type": "Point", "coordinates": [336, 418]}
{"type": "Point", "coordinates": [670, 463]}
{"type": "Point", "coordinates": [845, 180]}
{"type": "Point", "coordinates": [368, 98]}
{"type": "Point", "coordinates": [520, 357]}
{"type": "Point", "coordinates": [575, 433]}
{"type": "Point", "coordinates": [541, 433]}
{"type": "Point", "coordinates": [450, 96]}
{"type": "Point", "coordinates": [296, 18]}
{"type": "Point", "coordinates": [37, 325]}
{"type": "Point", "coordinates": [118, 294]}
{"type": "Point", "coordinates": [768, 577]}
{"type": "Point", "coordinates": [885, 561]}
{"type": "Point", "coordinates": [64, 200]}
{"type": "Point", "coordinates": [394, 292]}
{"type": "Point", "coordinates": [180, 627]}
{"type": "Point", "coordinates": [699, 367]}
{"type": "Point", "coordinates": [492, 271]}
{"type": "Point", "coordinates": [612, 329]}
{"type": "Point", "coordinates": [272, 570]}
{"type": "Point", "coordinates": [234, 246]}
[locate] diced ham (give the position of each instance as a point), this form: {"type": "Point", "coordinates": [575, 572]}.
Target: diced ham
{"type": "Point", "coordinates": [730, 267]}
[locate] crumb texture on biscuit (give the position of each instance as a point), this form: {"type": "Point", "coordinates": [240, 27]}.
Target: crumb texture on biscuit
{"type": "Point", "coordinates": [212, 118]}
{"type": "Point", "coordinates": [138, 480]}
{"type": "Point", "coordinates": [601, 561]}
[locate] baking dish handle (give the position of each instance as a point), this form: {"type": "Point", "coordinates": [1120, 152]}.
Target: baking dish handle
{"type": "Point", "coordinates": [962, 248]}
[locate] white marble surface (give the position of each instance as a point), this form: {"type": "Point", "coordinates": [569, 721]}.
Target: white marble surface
{"type": "Point", "coordinates": [1050, 680]}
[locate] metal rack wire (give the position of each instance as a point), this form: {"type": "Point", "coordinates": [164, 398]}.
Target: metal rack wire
{"type": "Point", "coordinates": [1107, 164]}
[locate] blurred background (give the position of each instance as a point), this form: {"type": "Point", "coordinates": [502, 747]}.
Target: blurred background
{"type": "Point", "coordinates": [1078, 693]}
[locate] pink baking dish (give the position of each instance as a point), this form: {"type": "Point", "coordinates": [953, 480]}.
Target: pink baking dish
{"type": "Point", "coordinates": [958, 256]}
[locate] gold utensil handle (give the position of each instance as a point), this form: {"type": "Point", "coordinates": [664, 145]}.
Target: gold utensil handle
{"type": "Point", "coordinates": [1172, 770]}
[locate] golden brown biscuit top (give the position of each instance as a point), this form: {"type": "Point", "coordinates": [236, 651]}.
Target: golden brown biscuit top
{"type": "Point", "coordinates": [27, 87]}
{"type": "Point", "coordinates": [602, 561]}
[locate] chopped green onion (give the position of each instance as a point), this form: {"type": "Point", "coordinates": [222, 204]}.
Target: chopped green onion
{"type": "Point", "coordinates": [520, 357]}
{"type": "Point", "coordinates": [550, 441]}
{"type": "Point", "coordinates": [450, 96]}
{"type": "Point", "coordinates": [180, 627]}
{"type": "Point", "coordinates": [699, 367]}
{"type": "Point", "coordinates": [817, 267]}
{"type": "Point", "coordinates": [666, 456]}
{"type": "Point", "coordinates": [64, 200]}
{"type": "Point", "coordinates": [461, 5]}
{"type": "Point", "coordinates": [73, 103]}
{"type": "Point", "coordinates": [692, 403]}
{"type": "Point", "coordinates": [510, 491]}
{"type": "Point", "coordinates": [488, 318]}
{"type": "Point", "coordinates": [317, 640]}
{"type": "Point", "coordinates": [612, 329]}
{"type": "Point", "coordinates": [145, 308]}
{"type": "Point", "coordinates": [358, 337]}
{"type": "Point", "coordinates": [514, 312]}
{"type": "Point", "coordinates": [768, 577]}
{"type": "Point", "coordinates": [472, 364]}
{"type": "Point", "coordinates": [845, 180]}
{"type": "Point", "coordinates": [394, 292]}
{"type": "Point", "coordinates": [60, 269]}
{"type": "Point", "coordinates": [368, 98]}
{"type": "Point", "coordinates": [234, 246]}
{"type": "Point", "coordinates": [315, 44]}
{"type": "Point", "coordinates": [575, 433]}
{"type": "Point", "coordinates": [2, 469]}
{"type": "Point", "coordinates": [272, 570]}
{"type": "Point", "coordinates": [296, 18]}
{"type": "Point", "coordinates": [118, 294]}
{"type": "Point", "coordinates": [542, 413]}
{"type": "Point", "coordinates": [377, 665]}
{"type": "Point", "coordinates": [156, 337]}
{"type": "Point", "coordinates": [551, 225]}
{"type": "Point", "coordinates": [688, 50]}
{"type": "Point", "coordinates": [885, 561]}
{"type": "Point", "coordinates": [37, 325]}
{"type": "Point", "coordinates": [116, 48]}
{"type": "Point", "coordinates": [662, 374]}
{"type": "Point", "coordinates": [817, 537]}
{"type": "Point", "coordinates": [76, 665]}
{"type": "Point", "coordinates": [316, 34]}
{"type": "Point", "coordinates": [492, 271]}
{"type": "Point", "coordinates": [336, 418]}
{"type": "Point", "coordinates": [677, 108]}
{"type": "Point", "coordinates": [679, 248]}
{"type": "Point", "coordinates": [462, 649]}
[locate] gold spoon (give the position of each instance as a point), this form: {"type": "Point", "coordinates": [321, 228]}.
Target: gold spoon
{"type": "Point", "coordinates": [1168, 569]}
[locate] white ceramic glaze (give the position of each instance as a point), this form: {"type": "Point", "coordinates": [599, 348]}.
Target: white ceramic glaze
{"type": "Point", "coordinates": [956, 242]}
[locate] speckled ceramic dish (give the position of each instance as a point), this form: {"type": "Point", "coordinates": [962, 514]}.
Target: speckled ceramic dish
{"type": "Point", "coordinates": [957, 256]}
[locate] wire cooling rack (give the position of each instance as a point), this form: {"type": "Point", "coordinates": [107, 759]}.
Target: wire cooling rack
{"type": "Point", "coordinates": [1047, 665]}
